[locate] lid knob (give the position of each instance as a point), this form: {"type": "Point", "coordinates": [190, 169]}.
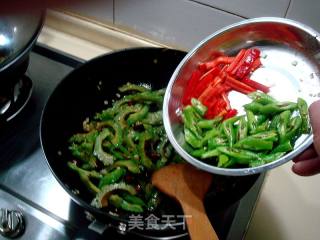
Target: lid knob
{"type": "Point", "coordinates": [11, 223]}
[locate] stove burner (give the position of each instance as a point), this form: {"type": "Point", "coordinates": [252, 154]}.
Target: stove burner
{"type": "Point", "coordinates": [14, 98]}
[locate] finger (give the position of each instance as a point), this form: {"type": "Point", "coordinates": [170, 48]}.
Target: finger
{"type": "Point", "coordinates": [307, 154]}
{"type": "Point", "coordinates": [308, 167]}
{"type": "Point", "coordinates": [314, 111]}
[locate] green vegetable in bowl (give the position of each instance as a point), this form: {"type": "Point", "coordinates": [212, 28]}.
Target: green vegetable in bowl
{"type": "Point", "coordinates": [119, 149]}
{"type": "Point", "coordinates": [265, 133]}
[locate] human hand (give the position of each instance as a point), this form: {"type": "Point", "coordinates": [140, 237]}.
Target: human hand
{"type": "Point", "coordinates": [308, 163]}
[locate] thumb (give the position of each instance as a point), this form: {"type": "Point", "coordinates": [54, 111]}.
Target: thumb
{"type": "Point", "coordinates": [314, 111]}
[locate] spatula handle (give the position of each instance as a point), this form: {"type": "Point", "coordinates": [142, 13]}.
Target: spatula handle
{"type": "Point", "coordinates": [199, 226]}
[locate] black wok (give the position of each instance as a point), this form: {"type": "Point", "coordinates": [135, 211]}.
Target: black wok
{"type": "Point", "coordinates": [18, 34]}
{"type": "Point", "coordinates": [84, 92]}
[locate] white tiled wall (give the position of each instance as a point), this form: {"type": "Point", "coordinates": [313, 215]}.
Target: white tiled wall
{"type": "Point", "coordinates": [100, 10]}
{"type": "Point", "coordinates": [183, 23]}
{"type": "Point", "coordinates": [306, 11]}
{"type": "Point", "coordinates": [251, 8]}
{"type": "Point", "coordinates": [179, 22]}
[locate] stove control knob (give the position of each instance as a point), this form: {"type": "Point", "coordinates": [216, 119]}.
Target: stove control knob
{"type": "Point", "coordinates": [11, 223]}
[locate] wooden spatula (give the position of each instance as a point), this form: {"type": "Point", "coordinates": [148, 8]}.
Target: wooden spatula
{"type": "Point", "coordinates": [188, 186]}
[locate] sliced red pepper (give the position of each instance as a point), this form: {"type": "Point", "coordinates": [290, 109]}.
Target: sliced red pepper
{"type": "Point", "coordinates": [207, 96]}
{"type": "Point", "coordinates": [226, 100]}
{"type": "Point", "coordinates": [202, 67]}
{"type": "Point", "coordinates": [255, 65]}
{"type": "Point", "coordinates": [221, 104]}
{"type": "Point", "coordinates": [210, 113]}
{"type": "Point", "coordinates": [215, 108]}
{"type": "Point", "coordinates": [214, 71]}
{"type": "Point", "coordinates": [239, 86]}
{"type": "Point", "coordinates": [227, 88]}
{"type": "Point", "coordinates": [216, 62]}
{"type": "Point", "coordinates": [220, 88]}
{"type": "Point", "coordinates": [230, 113]}
{"type": "Point", "coordinates": [213, 55]}
{"type": "Point", "coordinates": [218, 80]}
{"type": "Point", "coordinates": [203, 84]}
{"type": "Point", "coordinates": [236, 61]}
{"type": "Point", "coordinates": [204, 81]}
{"type": "Point", "coordinates": [256, 85]}
{"type": "Point", "coordinates": [211, 103]}
{"type": "Point", "coordinates": [222, 113]}
{"type": "Point", "coordinates": [244, 66]}
{"type": "Point", "coordinates": [211, 90]}
{"type": "Point", "coordinates": [212, 81]}
{"type": "Point", "coordinates": [220, 108]}
{"type": "Point", "coordinates": [188, 92]}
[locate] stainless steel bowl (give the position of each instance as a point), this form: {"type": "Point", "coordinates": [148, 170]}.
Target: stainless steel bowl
{"type": "Point", "coordinates": [18, 33]}
{"type": "Point", "coordinates": [291, 56]}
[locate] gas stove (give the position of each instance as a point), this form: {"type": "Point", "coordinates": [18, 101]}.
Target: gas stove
{"type": "Point", "coordinates": [32, 203]}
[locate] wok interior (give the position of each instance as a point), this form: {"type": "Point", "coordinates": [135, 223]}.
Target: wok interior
{"type": "Point", "coordinates": [85, 92]}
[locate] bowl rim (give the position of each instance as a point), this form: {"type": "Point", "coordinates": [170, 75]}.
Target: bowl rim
{"type": "Point", "coordinates": [232, 171]}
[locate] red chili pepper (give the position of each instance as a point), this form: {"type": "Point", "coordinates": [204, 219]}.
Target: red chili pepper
{"type": "Point", "coordinates": [244, 66]}
{"type": "Point", "coordinates": [214, 78]}
{"type": "Point", "coordinates": [211, 90]}
{"type": "Point", "coordinates": [256, 85]}
{"type": "Point", "coordinates": [210, 114]}
{"type": "Point", "coordinates": [202, 67]}
{"type": "Point", "coordinates": [211, 103]}
{"type": "Point", "coordinates": [205, 80]}
{"type": "Point", "coordinates": [202, 85]}
{"type": "Point", "coordinates": [236, 61]}
{"type": "Point", "coordinates": [222, 113]}
{"type": "Point", "coordinates": [217, 107]}
{"type": "Point", "coordinates": [226, 100]}
{"type": "Point", "coordinates": [255, 65]}
{"type": "Point", "coordinates": [221, 104]}
{"type": "Point", "coordinates": [239, 86]}
{"type": "Point", "coordinates": [188, 92]}
{"type": "Point", "coordinates": [207, 96]}
{"type": "Point", "coordinates": [214, 71]}
{"type": "Point", "coordinates": [213, 55]}
{"type": "Point", "coordinates": [216, 62]}
{"type": "Point", "coordinates": [217, 92]}
{"type": "Point", "coordinates": [230, 113]}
